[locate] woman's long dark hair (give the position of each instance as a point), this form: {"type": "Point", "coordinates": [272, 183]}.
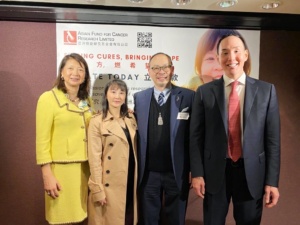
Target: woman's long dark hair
{"type": "Point", "coordinates": [84, 88]}
{"type": "Point", "coordinates": [105, 107]}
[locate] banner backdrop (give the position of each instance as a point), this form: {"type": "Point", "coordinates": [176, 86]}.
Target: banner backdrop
{"type": "Point", "coordinates": [123, 52]}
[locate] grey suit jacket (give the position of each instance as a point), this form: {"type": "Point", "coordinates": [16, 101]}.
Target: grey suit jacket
{"type": "Point", "coordinates": [181, 98]}
{"type": "Point", "coordinates": [261, 135]}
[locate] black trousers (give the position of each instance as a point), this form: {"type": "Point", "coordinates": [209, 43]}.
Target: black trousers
{"type": "Point", "coordinates": [246, 210]}
{"type": "Point", "coordinates": [160, 189]}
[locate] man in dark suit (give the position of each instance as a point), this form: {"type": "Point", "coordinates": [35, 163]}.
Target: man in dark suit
{"type": "Point", "coordinates": [242, 165]}
{"type": "Point", "coordinates": [163, 117]}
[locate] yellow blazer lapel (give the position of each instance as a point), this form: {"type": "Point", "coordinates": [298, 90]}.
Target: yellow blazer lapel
{"type": "Point", "coordinates": [63, 101]}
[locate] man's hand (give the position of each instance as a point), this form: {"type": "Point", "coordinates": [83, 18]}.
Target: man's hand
{"type": "Point", "coordinates": [199, 186]}
{"type": "Point", "coordinates": [271, 196]}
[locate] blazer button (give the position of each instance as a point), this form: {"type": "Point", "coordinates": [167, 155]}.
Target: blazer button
{"type": "Point", "coordinates": [82, 127]}
{"type": "Point", "coordinates": [107, 171]}
{"type": "Point", "coordinates": [80, 114]}
{"type": "Point", "coordinates": [111, 144]}
{"type": "Point", "coordinates": [106, 185]}
{"type": "Point", "coordinates": [109, 157]}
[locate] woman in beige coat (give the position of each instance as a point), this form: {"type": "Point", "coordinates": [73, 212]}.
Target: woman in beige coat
{"type": "Point", "coordinates": [112, 159]}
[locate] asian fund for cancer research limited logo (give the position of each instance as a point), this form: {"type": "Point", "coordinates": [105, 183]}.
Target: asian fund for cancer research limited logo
{"type": "Point", "coordinates": [70, 37]}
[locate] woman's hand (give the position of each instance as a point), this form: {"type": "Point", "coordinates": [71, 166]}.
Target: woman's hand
{"type": "Point", "coordinates": [102, 202]}
{"type": "Point", "coordinates": [130, 110]}
{"type": "Point", "coordinates": [51, 185]}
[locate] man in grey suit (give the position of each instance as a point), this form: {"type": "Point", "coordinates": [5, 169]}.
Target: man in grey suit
{"type": "Point", "coordinates": [163, 118]}
{"type": "Point", "coordinates": [218, 174]}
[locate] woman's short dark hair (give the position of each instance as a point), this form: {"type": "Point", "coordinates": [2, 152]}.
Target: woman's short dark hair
{"type": "Point", "coordinates": [84, 88]}
{"type": "Point", "coordinates": [105, 106]}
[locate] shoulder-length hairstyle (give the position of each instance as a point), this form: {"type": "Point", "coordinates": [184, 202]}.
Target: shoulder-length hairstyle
{"type": "Point", "coordinates": [105, 106]}
{"type": "Point", "coordinates": [84, 88]}
{"type": "Point", "coordinates": [209, 40]}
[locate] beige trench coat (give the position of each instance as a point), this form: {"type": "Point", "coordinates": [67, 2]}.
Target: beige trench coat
{"type": "Point", "coordinates": [108, 154]}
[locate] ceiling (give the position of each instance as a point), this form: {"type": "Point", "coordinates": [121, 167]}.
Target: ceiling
{"type": "Point", "coordinates": [254, 6]}
{"type": "Point", "coordinates": [246, 14]}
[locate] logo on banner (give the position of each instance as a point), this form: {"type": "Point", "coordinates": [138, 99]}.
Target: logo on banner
{"type": "Point", "coordinates": [70, 37]}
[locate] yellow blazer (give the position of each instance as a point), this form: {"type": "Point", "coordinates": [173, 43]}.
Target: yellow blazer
{"type": "Point", "coordinates": [61, 129]}
{"type": "Point", "coordinates": [108, 152]}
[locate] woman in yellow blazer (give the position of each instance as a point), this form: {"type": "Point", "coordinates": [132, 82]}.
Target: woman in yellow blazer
{"type": "Point", "coordinates": [113, 160]}
{"type": "Point", "coordinates": [62, 117]}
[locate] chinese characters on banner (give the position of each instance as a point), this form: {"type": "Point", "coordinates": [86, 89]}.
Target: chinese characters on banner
{"type": "Point", "coordinates": [123, 52]}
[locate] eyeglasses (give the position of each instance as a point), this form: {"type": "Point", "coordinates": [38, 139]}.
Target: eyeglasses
{"type": "Point", "coordinates": [157, 69]}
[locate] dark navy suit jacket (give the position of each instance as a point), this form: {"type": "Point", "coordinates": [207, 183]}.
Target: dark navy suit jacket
{"type": "Point", "coordinates": [181, 98]}
{"type": "Point", "coordinates": [261, 135]}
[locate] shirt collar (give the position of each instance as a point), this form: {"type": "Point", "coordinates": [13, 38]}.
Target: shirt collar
{"type": "Point", "coordinates": [228, 81]}
{"type": "Point", "coordinates": [166, 91]}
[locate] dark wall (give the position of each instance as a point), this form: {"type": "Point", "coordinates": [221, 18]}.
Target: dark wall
{"type": "Point", "coordinates": [28, 67]}
{"type": "Point", "coordinates": [279, 64]}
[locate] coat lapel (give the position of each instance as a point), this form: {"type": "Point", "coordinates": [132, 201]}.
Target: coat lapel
{"type": "Point", "coordinates": [132, 126]}
{"type": "Point", "coordinates": [63, 101]}
{"type": "Point", "coordinates": [176, 99]}
{"type": "Point", "coordinates": [114, 127]}
{"type": "Point", "coordinates": [250, 94]}
{"type": "Point", "coordinates": [143, 113]}
{"type": "Point", "coordinates": [219, 93]}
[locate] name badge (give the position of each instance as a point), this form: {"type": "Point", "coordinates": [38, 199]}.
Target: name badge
{"type": "Point", "coordinates": [183, 116]}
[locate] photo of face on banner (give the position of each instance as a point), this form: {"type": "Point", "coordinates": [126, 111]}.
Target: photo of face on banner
{"type": "Point", "coordinates": [207, 67]}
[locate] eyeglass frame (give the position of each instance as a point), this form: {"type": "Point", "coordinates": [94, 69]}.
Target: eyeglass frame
{"type": "Point", "coordinates": [159, 68]}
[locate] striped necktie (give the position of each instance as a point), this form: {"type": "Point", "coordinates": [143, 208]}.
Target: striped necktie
{"type": "Point", "coordinates": [160, 100]}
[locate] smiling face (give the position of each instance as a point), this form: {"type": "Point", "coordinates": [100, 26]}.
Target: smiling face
{"type": "Point", "coordinates": [232, 56]}
{"type": "Point", "coordinates": [73, 73]}
{"type": "Point", "coordinates": [161, 71]}
{"type": "Point", "coordinates": [210, 67]}
{"type": "Point", "coordinates": [115, 96]}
